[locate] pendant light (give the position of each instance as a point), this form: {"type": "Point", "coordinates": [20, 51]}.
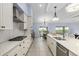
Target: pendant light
{"type": "Point", "coordinates": [55, 15]}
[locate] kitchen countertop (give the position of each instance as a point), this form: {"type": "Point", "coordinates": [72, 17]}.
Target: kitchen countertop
{"type": "Point", "coordinates": [70, 43]}
{"type": "Point", "coordinates": [8, 45]}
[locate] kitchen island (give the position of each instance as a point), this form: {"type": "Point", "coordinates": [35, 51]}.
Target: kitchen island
{"type": "Point", "coordinates": [70, 43]}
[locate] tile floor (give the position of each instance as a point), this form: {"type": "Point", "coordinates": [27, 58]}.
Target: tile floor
{"type": "Point", "coordinates": [39, 48]}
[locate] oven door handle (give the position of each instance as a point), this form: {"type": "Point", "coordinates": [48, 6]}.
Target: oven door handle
{"type": "Point", "coordinates": [62, 49]}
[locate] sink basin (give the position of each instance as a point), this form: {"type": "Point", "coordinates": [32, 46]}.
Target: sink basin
{"type": "Point", "coordinates": [19, 38]}
{"type": "Point", "coordinates": [59, 38]}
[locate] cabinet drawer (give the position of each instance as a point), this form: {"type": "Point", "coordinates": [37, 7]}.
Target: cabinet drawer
{"type": "Point", "coordinates": [25, 49]}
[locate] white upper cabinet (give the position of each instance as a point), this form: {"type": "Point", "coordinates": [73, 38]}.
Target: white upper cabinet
{"type": "Point", "coordinates": [0, 15]}
{"type": "Point", "coordinates": [25, 21]}
{"type": "Point", "coordinates": [30, 22]}
{"type": "Point", "coordinates": [23, 26]}
{"type": "Point", "coordinates": [22, 15]}
{"type": "Point", "coordinates": [6, 16]}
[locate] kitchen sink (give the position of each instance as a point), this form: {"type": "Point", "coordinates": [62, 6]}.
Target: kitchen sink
{"type": "Point", "coordinates": [19, 38]}
{"type": "Point", "coordinates": [59, 38]}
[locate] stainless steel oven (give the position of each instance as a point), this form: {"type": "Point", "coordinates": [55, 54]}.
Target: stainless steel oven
{"type": "Point", "coordinates": [61, 51]}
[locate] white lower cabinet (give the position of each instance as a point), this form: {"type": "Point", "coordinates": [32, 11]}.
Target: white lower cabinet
{"type": "Point", "coordinates": [25, 48]}
{"type": "Point", "coordinates": [52, 45]}
{"type": "Point", "coordinates": [30, 22]}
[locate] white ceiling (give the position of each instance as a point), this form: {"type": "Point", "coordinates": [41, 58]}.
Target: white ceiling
{"type": "Point", "coordinates": [47, 10]}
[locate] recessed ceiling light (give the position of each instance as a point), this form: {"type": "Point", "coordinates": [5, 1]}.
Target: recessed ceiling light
{"type": "Point", "coordinates": [72, 8]}
{"type": "Point", "coordinates": [40, 5]}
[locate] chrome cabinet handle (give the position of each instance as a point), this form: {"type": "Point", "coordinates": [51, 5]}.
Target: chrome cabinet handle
{"type": "Point", "coordinates": [2, 26]}
{"type": "Point", "coordinates": [24, 54]}
{"type": "Point", "coordinates": [20, 45]}
{"type": "Point", "coordinates": [23, 47]}
{"type": "Point", "coordinates": [15, 55]}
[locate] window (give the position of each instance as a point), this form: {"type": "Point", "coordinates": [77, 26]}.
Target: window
{"type": "Point", "coordinates": [61, 29]}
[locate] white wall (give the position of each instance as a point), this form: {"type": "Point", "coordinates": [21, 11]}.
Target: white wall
{"type": "Point", "coordinates": [74, 27]}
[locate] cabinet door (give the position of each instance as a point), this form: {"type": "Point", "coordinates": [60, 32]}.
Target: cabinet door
{"type": "Point", "coordinates": [25, 25]}
{"type": "Point", "coordinates": [53, 47]}
{"type": "Point", "coordinates": [48, 41]}
{"type": "Point", "coordinates": [29, 19]}
{"type": "Point", "coordinates": [25, 20]}
{"type": "Point", "coordinates": [25, 49]}
{"type": "Point", "coordinates": [7, 13]}
{"type": "Point", "coordinates": [1, 16]}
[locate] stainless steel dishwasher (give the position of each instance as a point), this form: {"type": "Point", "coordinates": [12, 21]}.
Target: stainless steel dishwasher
{"type": "Point", "coordinates": [61, 51]}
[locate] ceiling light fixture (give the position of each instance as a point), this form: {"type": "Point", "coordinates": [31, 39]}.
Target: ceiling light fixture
{"type": "Point", "coordinates": [55, 15]}
{"type": "Point", "coordinates": [72, 8]}
{"type": "Point", "coordinates": [40, 5]}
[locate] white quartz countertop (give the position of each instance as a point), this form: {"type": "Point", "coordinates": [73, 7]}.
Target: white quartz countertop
{"type": "Point", "coordinates": [70, 43]}
{"type": "Point", "coordinates": [7, 46]}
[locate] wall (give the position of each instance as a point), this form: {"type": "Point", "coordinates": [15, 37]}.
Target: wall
{"type": "Point", "coordinates": [74, 27]}
{"type": "Point", "coordinates": [36, 27]}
